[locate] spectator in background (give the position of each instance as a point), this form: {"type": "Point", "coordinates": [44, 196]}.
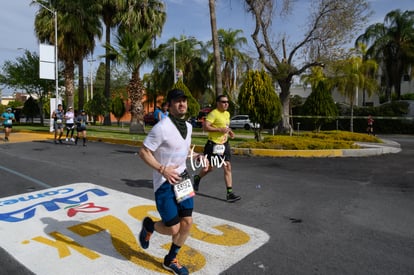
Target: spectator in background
{"type": "Point", "coordinates": [70, 125]}
{"type": "Point", "coordinates": [7, 118]}
{"type": "Point", "coordinates": [58, 116]}
{"type": "Point", "coordinates": [156, 114]}
{"type": "Point", "coordinates": [81, 121]}
{"type": "Point", "coordinates": [163, 113]}
{"type": "Point", "coordinates": [370, 128]}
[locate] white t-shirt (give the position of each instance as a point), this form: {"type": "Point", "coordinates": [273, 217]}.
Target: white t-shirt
{"type": "Point", "coordinates": [168, 146]}
{"type": "Point", "coordinates": [69, 117]}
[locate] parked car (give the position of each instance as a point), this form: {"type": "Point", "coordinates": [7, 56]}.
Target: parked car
{"type": "Point", "coordinates": [197, 122]}
{"type": "Point", "coordinates": [242, 122]}
{"type": "Point", "coordinates": [149, 119]}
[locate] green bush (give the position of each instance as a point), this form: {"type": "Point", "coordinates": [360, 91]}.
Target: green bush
{"type": "Point", "coordinates": [311, 141]}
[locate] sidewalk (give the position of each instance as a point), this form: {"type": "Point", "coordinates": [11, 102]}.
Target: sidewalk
{"type": "Point", "coordinates": [368, 149]}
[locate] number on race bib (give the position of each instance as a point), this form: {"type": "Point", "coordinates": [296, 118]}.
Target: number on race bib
{"type": "Point", "coordinates": [219, 149]}
{"type": "Point", "coordinates": [183, 190]}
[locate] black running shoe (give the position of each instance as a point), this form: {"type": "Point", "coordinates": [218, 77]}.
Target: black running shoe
{"type": "Point", "coordinates": [231, 197]}
{"type": "Point", "coordinates": [144, 235]}
{"type": "Point", "coordinates": [175, 267]}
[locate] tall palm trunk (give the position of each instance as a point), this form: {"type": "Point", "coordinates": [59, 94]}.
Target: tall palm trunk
{"type": "Point", "coordinates": [81, 88]}
{"type": "Point", "coordinates": [135, 94]}
{"type": "Point", "coordinates": [217, 61]}
{"type": "Point", "coordinates": [69, 73]}
{"type": "Point", "coordinates": [107, 88]}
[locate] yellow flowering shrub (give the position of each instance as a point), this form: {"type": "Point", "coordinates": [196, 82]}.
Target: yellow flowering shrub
{"type": "Point", "coordinates": [310, 141]}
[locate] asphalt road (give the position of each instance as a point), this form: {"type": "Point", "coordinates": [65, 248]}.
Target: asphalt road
{"type": "Point", "coordinates": [323, 215]}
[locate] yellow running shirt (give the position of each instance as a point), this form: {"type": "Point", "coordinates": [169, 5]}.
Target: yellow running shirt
{"type": "Point", "coordinates": [218, 120]}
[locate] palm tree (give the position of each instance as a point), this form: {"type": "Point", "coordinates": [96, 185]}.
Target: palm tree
{"type": "Point", "coordinates": [392, 44]}
{"type": "Point", "coordinates": [140, 23]}
{"type": "Point", "coordinates": [133, 50]}
{"type": "Point", "coordinates": [216, 48]}
{"type": "Point", "coordinates": [77, 29]}
{"type": "Point", "coordinates": [91, 30]}
{"type": "Point", "coordinates": [230, 44]}
{"type": "Point", "coordinates": [320, 101]}
{"type": "Point", "coordinates": [350, 75]}
{"type": "Point", "coordinates": [110, 18]}
{"type": "Point", "coordinates": [190, 58]}
{"type": "Point", "coordinates": [150, 83]}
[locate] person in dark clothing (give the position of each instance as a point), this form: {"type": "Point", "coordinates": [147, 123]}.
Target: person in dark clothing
{"type": "Point", "coordinates": [81, 121]}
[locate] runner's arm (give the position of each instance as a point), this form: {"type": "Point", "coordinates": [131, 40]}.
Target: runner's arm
{"type": "Point", "coordinates": [167, 172]}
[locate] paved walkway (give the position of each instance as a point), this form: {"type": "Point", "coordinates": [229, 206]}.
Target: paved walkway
{"type": "Point", "coordinates": [368, 149]}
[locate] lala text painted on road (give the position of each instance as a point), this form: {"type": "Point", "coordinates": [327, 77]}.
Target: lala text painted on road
{"type": "Point", "coordinates": [84, 228]}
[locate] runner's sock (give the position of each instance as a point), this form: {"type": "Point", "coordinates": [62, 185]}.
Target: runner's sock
{"type": "Point", "coordinates": [173, 253]}
{"type": "Point", "coordinates": [229, 190]}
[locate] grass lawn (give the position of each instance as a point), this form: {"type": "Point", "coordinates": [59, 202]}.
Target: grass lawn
{"type": "Point", "coordinates": [244, 138]}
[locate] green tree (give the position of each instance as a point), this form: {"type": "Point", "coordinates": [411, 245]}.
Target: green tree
{"type": "Point", "coordinates": [392, 44]}
{"type": "Point", "coordinates": [30, 108]}
{"type": "Point", "coordinates": [118, 108]}
{"type": "Point", "coordinates": [193, 106]}
{"type": "Point", "coordinates": [140, 24]}
{"type": "Point", "coordinates": [259, 100]}
{"type": "Point", "coordinates": [190, 59]}
{"type": "Point", "coordinates": [230, 43]}
{"type": "Point", "coordinates": [15, 104]}
{"type": "Point", "coordinates": [331, 24]}
{"type": "Point", "coordinates": [91, 29]}
{"type": "Point", "coordinates": [133, 51]}
{"type": "Point", "coordinates": [77, 27]}
{"type": "Point", "coordinates": [350, 75]}
{"type": "Point", "coordinates": [23, 74]}
{"type": "Point", "coordinates": [96, 107]}
{"type": "Point", "coordinates": [151, 92]}
{"type": "Point", "coordinates": [320, 101]}
{"type": "Point", "coordinates": [111, 18]}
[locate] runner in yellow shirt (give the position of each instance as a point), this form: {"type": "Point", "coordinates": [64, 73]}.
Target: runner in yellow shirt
{"type": "Point", "coordinates": [217, 148]}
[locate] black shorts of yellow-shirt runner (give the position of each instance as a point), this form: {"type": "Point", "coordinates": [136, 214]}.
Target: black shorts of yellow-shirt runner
{"type": "Point", "coordinates": [208, 151]}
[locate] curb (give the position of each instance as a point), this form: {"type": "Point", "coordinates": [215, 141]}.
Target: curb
{"type": "Point", "coordinates": [368, 149]}
{"type": "Point", "coordinates": [389, 147]}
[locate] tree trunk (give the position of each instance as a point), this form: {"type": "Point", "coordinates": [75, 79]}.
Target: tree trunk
{"type": "Point", "coordinates": [352, 117]}
{"type": "Point", "coordinates": [135, 93]}
{"type": "Point", "coordinates": [69, 82]}
{"type": "Point", "coordinates": [81, 88]}
{"type": "Point", "coordinates": [107, 88]}
{"type": "Point", "coordinates": [284, 124]}
{"type": "Point", "coordinates": [217, 61]}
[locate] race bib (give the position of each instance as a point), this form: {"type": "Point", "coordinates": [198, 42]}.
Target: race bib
{"type": "Point", "coordinates": [9, 121]}
{"type": "Point", "coordinates": [219, 149]}
{"type": "Point", "coordinates": [58, 121]}
{"type": "Point", "coordinates": [183, 190]}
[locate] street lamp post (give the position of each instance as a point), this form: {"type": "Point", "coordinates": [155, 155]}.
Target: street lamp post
{"type": "Point", "coordinates": [54, 12]}
{"type": "Point", "coordinates": [91, 74]}
{"type": "Point", "coordinates": [175, 69]}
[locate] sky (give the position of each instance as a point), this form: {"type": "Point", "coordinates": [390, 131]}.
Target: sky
{"type": "Point", "coordinates": [184, 17]}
